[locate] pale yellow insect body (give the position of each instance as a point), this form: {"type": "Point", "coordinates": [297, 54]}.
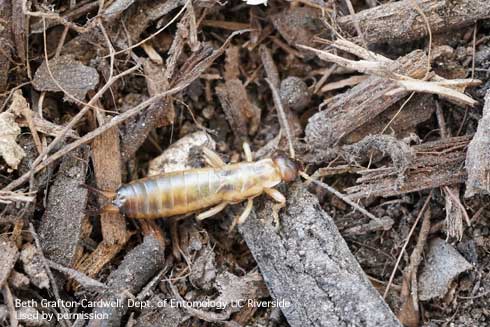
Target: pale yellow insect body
{"type": "Point", "coordinates": [188, 191]}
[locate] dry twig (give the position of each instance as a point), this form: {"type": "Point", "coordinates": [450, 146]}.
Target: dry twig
{"type": "Point", "coordinates": [402, 251]}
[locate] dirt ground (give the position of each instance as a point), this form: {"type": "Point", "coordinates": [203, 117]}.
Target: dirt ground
{"type": "Point", "coordinates": [382, 106]}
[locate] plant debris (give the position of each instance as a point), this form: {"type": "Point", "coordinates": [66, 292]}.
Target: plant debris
{"type": "Point", "coordinates": [62, 223]}
{"type": "Point", "coordinates": [383, 23]}
{"type": "Point", "coordinates": [442, 264]}
{"type": "Point", "coordinates": [10, 151]}
{"type": "Point", "coordinates": [309, 240]}
{"type": "Point", "coordinates": [179, 156]}
{"type": "Point", "coordinates": [478, 156]}
{"type": "Point", "coordinates": [435, 164]}
{"type": "Point", "coordinates": [33, 266]}
{"type": "Point", "coordinates": [66, 74]}
{"type": "Point", "coordinates": [10, 255]}
{"type": "Point", "coordinates": [295, 93]}
{"type": "Point", "coordinates": [133, 273]}
{"type": "Point", "coordinates": [382, 104]}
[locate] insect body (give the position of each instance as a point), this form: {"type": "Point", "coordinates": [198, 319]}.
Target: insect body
{"type": "Point", "coordinates": [215, 187]}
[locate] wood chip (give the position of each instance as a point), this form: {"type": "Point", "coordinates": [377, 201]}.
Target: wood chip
{"type": "Point", "coordinates": [33, 266]}
{"type": "Point", "coordinates": [435, 164]}
{"type": "Point", "coordinates": [73, 76]}
{"type": "Point", "coordinates": [10, 151]}
{"type": "Point", "coordinates": [350, 81]}
{"type": "Point", "coordinates": [478, 156]}
{"type": "Point", "coordinates": [116, 8]}
{"type": "Point", "coordinates": [136, 269]}
{"type": "Point", "coordinates": [165, 316]}
{"type": "Point", "coordinates": [233, 288]}
{"type": "Point", "coordinates": [143, 15]}
{"type": "Point", "coordinates": [298, 25]}
{"type": "Point", "coordinates": [232, 65]}
{"type": "Point", "coordinates": [399, 22]}
{"type": "Point", "coordinates": [326, 278]}
{"type": "Point", "coordinates": [7, 43]}
{"type": "Point", "coordinates": [180, 155]}
{"type": "Point", "coordinates": [400, 123]}
{"type": "Point", "coordinates": [61, 223]}
{"type": "Point", "coordinates": [442, 264]}
{"type": "Point", "coordinates": [106, 158]}
{"type": "Point", "coordinates": [349, 110]}
{"type": "Point", "coordinates": [9, 257]}
{"type": "Point", "coordinates": [21, 107]}
{"type": "Point", "coordinates": [242, 115]}
{"type": "Point", "coordinates": [93, 263]}
{"type": "Point", "coordinates": [19, 29]}
{"type": "Point", "coordinates": [18, 280]}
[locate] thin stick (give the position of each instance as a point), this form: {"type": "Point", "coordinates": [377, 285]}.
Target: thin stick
{"type": "Point", "coordinates": [77, 117]}
{"type": "Point", "coordinates": [112, 53]}
{"type": "Point", "coordinates": [474, 51]}
{"type": "Point", "coordinates": [364, 66]}
{"type": "Point", "coordinates": [424, 207]}
{"type": "Point", "coordinates": [9, 197]}
{"type": "Point", "coordinates": [156, 33]}
{"type": "Point", "coordinates": [282, 116]}
{"type": "Point", "coordinates": [82, 112]}
{"type": "Point", "coordinates": [27, 112]}
{"type": "Point", "coordinates": [54, 16]}
{"type": "Point", "coordinates": [416, 258]}
{"type": "Point", "coordinates": [324, 78]}
{"type": "Point", "coordinates": [61, 42]}
{"type": "Point", "coordinates": [46, 57]}
{"type": "Point", "coordinates": [344, 197]}
{"type": "Point", "coordinates": [355, 20]}
{"type": "Point", "coordinates": [37, 166]}
{"type": "Point", "coordinates": [81, 278]}
{"type": "Point", "coordinates": [397, 113]}
{"type": "Point", "coordinates": [459, 204]}
{"type": "Point", "coordinates": [474, 296]}
{"type": "Point", "coordinates": [429, 31]}
{"type": "Point", "coordinates": [441, 121]}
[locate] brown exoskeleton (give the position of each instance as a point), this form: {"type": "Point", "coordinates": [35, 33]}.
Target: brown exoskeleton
{"type": "Point", "coordinates": [213, 187]}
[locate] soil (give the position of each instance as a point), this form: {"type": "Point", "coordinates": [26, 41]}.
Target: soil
{"type": "Point", "coordinates": [383, 105]}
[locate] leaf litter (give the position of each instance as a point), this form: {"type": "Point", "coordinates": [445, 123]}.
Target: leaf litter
{"type": "Point", "coordinates": [388, 115]}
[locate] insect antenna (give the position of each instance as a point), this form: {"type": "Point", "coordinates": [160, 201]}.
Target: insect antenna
{"type": "Point", "coordinates": [106, 194]}
{"type": "Point", "coordinates": [285, 126]}
{"type": "Point", "coordinates": [283, 121]}
{"type": "Point", "coordinates": [107, 205]}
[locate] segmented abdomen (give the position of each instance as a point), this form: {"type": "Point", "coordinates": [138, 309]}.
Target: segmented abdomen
{"type": "Point", "coordinates": [170, 194]}
{"type": "Point", "coordinates": [188, 191]}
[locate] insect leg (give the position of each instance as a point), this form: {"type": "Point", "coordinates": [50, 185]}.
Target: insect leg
{"type": "Point", "coordinates": [248, 152]}
{"type": "Point", "coordinates": [246, 212]}
{"type": "Point", "coordinates": [281, 202]}
{"type": "Point", "coordinates": [212, 158]}
{"type": "Point", "coordinates": [211, 212]}
{"type": "Point", "coordinates": [276, 195]}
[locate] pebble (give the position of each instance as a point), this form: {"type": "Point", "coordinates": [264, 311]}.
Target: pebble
{"type": "Point", "coordinates": [295, 93]}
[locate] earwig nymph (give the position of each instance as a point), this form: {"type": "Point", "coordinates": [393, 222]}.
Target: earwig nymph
{"type": "Point", "coordinates": [214, 187]}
